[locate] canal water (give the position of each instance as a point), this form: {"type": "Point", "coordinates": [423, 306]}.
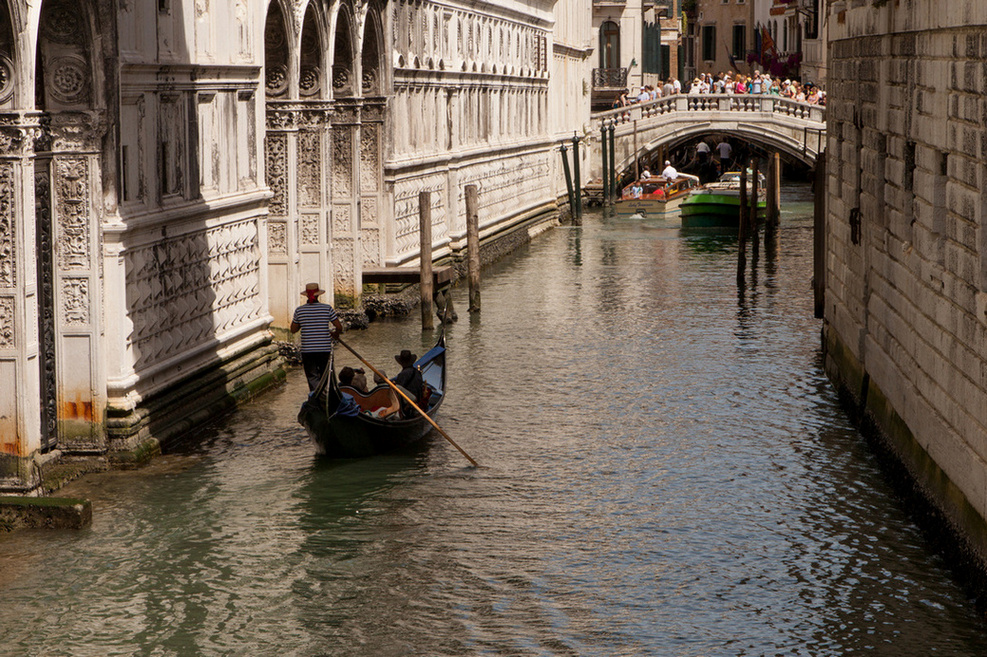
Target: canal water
{"type": "Point", "coordinates": [666, 471]}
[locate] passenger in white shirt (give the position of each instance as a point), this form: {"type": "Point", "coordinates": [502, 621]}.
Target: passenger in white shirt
{"type": "Point", "coordinates": [669, 171]}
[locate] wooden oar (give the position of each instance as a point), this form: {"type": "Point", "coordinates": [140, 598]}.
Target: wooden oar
{"type": "Point", "coordinates": [408, 399]}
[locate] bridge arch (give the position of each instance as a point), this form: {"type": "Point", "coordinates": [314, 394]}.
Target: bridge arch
{"type": "Point", "coordinates": [767, 139]}
{"type": "Point", "coordinates": [795, 130]}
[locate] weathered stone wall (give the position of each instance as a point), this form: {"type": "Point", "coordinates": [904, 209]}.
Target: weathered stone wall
{"type": "Point", "coordinates": [470, 106]}
{"type": "Point", "coordinates": [906, 253]}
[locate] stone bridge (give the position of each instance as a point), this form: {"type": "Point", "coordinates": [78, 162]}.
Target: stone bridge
{"type": "Point", "coordinates": [794, 129]}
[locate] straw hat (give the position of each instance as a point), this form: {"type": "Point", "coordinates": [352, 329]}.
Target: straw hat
{"type": "Point", "coordinates": [313, 287]}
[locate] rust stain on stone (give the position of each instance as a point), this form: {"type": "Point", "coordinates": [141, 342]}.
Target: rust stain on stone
{"type": "Point", "coordinates": [77, 410]}
{"type": "Point", "coordinates": [14, 449]}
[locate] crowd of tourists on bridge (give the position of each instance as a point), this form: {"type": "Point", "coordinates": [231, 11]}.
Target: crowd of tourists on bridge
{"type": "Point", "coordinates": [725, 83]}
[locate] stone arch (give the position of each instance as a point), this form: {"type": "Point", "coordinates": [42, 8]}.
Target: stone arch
{"type": "Point", "coordinates": [8, 60]}
{"type": "Point", "coordinates": [763, 137]}
{"type": "Point", "coordinates": [66, 75]}
{"type": "Point", "coordinates": [277, 53]}
{"type": "Point", "coordinates": [311, 58]}
{"type": "Point", "coordinates": [343, 58]}
{"type": "Point", "coordinates": [372, 53]}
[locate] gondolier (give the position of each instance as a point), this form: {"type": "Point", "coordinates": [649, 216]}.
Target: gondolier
{"type": "Point", "coordinates": [313, 319]}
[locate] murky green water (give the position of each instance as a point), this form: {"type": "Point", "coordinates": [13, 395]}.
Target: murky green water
{"type": "Point", "coordinates": [666, 472]}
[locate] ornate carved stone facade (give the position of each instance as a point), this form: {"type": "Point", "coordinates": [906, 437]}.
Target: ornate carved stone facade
{"type": "Point", "coordinates": [8, 276]}
{"type": "Point", "coordinates": [470, 79]}
{"type": "Point", "coordinates": [173, 173]}
{"type": "Point", "coordinates": [131, 212]}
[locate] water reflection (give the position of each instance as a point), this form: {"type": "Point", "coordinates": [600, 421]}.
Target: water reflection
{"type": "Point", "coordinates": [667, 473]}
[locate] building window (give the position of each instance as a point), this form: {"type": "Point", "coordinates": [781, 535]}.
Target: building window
{"type": "Point", "coordinates": [739, 41]}
{"type": "Point", "coordinates": [651, 52]}
{"type": "Point", "coordinates": [812, 20]}
{"type": "Point", "coordinates": [709, 43]}
{"type": "Point", "coordinates": [609, 45]}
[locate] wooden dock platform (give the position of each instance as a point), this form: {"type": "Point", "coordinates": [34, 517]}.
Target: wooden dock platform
{"type": "Point", "coordinates": [396, 275]}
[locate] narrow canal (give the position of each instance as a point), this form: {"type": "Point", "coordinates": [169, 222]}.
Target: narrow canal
{"type": "Point", "coordinates": [667, 472]}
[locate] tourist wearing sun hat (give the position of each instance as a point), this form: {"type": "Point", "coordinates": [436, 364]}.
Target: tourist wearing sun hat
{"type": "Point", "coordinates": [313, 319]}
{"type": "Point", "coordinates": [410, 378]}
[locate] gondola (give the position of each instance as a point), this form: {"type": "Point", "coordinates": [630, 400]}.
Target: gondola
{"type": "Point", "coordinates": [344, 429]}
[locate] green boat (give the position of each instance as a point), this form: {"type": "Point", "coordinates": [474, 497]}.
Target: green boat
{"type": "Point", "coordinates": [717, 205]}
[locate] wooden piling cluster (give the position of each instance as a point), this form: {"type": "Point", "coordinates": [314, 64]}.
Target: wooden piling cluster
{"type": "Point", "coordinates": [749, 230]}
{"type": "Point", "coordinates": [572, 181]}
{"type": "Point", "coordinates": [472, 253]}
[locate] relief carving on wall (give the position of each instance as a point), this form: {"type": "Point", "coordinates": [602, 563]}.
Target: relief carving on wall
{"type": "Point", "coordinates": [369, 157]}
{"type": "Point", "coordinates": [192, 288]}
{"type": "Point", "coordinates": [277, 80]}
{"type": "Point", "coordinates": [6, 323]}
{"type": "Point", "coordinates": [340, 220]}
{"type": "Point", "coordinates": [281, 117]}
{"type": "Point", "coordinates": [310, 229]}
{"type": "Point", "coordinates": [62, 21]}
{"type": "Point", "coordinates": [72, 212]}
{"type": "Point", "coordinates": [68, 80]}
{"type": "Point", "coordinates": [309, 81]}
{"type": "Point", "coordinates": [370, 83]}
{"type": "Point", "coordinates": [75, 300]}
{"type": "Point", "coordinates": [8, 272]}
{"type": "Point", "coordinates": [6, 78]}
{"type": "Point", "coordinates": [368, 212]}
{"type": "Point", "coordinates": [340, 78]}
{"type": "Point", "coordinates": [242, 17]}
{"type": "Point", "coordinates": [342, 162]}
{"type": "Point", "coordinates": [370, 241]}
{"type": "Point", "coordinates": [309, 169]}
{"type": "Point", "coordinates": [277, 172]}
{"type": "Point", "coordinates": [342, 265]}
{"type": "Point", "coordinates": [277, 237]}
{"type": "Point", "coordinates": [75, 131]}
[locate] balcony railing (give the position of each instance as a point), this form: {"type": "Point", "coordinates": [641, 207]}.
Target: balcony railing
{"type": "Point", "coordinates": [609, 78]}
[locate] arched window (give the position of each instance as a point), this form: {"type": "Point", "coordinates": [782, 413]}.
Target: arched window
{"type": "Point", "coordinates": [609, 45]}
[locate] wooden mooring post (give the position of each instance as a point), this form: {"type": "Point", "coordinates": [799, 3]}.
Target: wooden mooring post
{"type": "Point", "coordinates": [577, 185]}
{"type": "Point", "coordinates": [742, 232]}
{"type": "Point", "coordinates": [773, 209]}
{"type": "Point", "coordinates": [425, 256]}
{"type": "Point", "coordinates": [774, 192]}
{"type": "Point", "coordinates": [606, 161]}
{"type": "Point", "coordinates": [819, 238]}
{"type": "Point", "coordinates": [755, 207]}
{"type": "Point", "coordinates": [473, 245]}
{"type": "Point", "coordinates": [613, 168]}
{"type": "Point", "coordinates": [568, 182]}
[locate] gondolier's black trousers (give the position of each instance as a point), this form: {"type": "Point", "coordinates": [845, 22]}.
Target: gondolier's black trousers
{"type": "Point", "coordinates": [315, 363]}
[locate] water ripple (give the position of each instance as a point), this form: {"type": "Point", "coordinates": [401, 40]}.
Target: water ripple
{"type": "Point", "coordinates": [667, 472]}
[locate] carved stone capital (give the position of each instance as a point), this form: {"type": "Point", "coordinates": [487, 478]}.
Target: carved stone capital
{"type": "Point", "coordinates": [17, 133]}
{"type": "Point", "coordinates": [344, 114]}
{"type": "Point", "coordinates": [281, 118]}
{"type": "Point", "coordinates": [373, 112]}
{"type": "Point", "coordinates": [71, 132]}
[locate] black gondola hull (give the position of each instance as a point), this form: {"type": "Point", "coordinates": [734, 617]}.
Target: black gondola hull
{"type": "Point", "coordinates": [355, 436]}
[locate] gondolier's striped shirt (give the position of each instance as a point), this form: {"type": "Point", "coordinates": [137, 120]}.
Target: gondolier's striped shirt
{"type": "Point", "coordinates": [315, 320]}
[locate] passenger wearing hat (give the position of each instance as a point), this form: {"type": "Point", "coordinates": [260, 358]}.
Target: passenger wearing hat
{"type": "Point", "coordinates": [410, 378]}
{"type": "Point", "coordinates": [669, 172]}
{"type": "Point", "coordinates": [313, 319]}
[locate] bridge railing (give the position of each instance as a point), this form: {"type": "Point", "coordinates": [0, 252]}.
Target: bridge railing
{"type": "Point", "coordinates": [714, 103]}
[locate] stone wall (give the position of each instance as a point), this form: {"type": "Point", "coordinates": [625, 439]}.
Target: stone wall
{"type": "Point", "coordinates": [906, 240]}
